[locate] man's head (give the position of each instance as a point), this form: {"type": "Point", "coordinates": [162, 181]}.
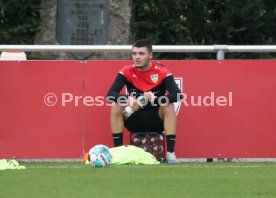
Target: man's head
{"type": "Point", "coordinates": [141, 53]}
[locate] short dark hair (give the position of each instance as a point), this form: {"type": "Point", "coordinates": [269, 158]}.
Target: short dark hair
{"type": "Point", "coordinates": [143, 43]}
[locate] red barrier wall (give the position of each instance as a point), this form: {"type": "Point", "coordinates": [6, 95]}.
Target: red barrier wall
{"type": "Point", "coordinates": [239, 122]}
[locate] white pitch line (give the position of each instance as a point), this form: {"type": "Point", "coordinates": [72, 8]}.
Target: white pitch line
{"type": "Point", "coordinates": [194, 167]}
{"type": "Point", "coordinates": [154, 166]}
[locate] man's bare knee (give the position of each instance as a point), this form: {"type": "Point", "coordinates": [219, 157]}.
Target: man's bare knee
{"type": "Point", "coordinates": [116, 109]}
{"type": "Point", "coordinates": [166, 110]}
{"type": "Point", "coordinates": [169, 109]}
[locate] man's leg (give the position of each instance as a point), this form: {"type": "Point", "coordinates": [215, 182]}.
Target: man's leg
{"type": "Point", "coordinates": [117, 124]}
{"type": "Point", "coordinates": [168, 115]}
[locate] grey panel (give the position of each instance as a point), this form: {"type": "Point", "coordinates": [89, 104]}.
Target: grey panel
{"type": "Point", "coordinates": [82, 22]}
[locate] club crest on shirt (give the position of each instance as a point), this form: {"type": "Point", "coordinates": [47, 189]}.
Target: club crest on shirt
{"type": "Point", "coordinates": [154, 78]}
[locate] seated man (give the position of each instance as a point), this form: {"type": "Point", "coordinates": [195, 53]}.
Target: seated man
{"type": "Point", "coordinates": [151, 93]}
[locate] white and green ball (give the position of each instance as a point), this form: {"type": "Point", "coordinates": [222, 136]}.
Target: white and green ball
{"type": "Point", "coordinates": [100, 156]}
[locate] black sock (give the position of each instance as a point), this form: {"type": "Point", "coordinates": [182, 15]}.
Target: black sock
{"type": "Point", "coordinates": [170, 143]}
{"type": "Point", "coordinates": [118, 139]}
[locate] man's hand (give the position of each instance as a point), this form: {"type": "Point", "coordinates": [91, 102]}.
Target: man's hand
{"type": "Point", "coordinates": [133, 103]}
{"type": "Point", "coordinates": [149, 96]}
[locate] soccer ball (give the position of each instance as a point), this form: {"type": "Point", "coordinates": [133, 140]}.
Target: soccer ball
{"type": "Point", "coordinates": [99, 156]}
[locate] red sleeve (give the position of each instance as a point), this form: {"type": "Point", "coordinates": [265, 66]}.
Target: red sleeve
{"type": "Point", "coordinates": [125, 71]}
{"type": "Point", "coordinates": [165, 72]}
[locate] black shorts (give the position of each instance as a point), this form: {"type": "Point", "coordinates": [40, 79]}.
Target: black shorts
{"type": "Point", "coordinates": [145, 120]}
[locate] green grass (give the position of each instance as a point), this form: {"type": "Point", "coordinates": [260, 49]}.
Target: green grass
{"type": "Point", "coordinates": [182, 180]}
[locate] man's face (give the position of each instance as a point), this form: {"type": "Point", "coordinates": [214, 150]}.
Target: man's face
{"type": "Point", "coordinates": [141, 56]}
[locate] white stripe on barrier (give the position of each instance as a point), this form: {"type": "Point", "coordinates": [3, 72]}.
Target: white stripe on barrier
{"type": "Point", "coordinates": [127, 48]}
